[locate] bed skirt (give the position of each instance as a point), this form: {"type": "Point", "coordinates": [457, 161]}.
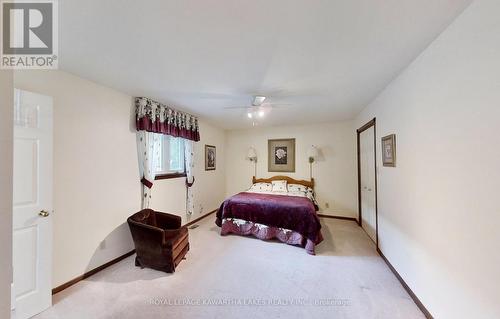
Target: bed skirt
{"type": "Point", "coordinates": [264, 232]}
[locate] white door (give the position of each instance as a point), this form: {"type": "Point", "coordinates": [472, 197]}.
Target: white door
{"type": "Point", "coordinates": [367, 165]}
{"type": "Point", "coordinates": [32, 223]}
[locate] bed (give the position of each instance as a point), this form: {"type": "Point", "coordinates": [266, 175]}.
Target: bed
{"type": "Point", "coordinates": [279, 207]}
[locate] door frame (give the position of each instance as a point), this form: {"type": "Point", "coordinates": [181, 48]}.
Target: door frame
{"type": "Point", "coordinates": [372, 123]}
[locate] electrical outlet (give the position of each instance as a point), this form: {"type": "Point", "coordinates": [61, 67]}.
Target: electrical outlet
{"type": "Point", "coordinates": [327, 205]}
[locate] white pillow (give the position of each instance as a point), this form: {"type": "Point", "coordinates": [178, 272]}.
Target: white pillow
{"type": "Point", "coordinates": [262, 187]}
{"type": "Point", "coordinates": [310, 194]}
{"type": "Point", "coordinates": [297, 188]}
{"type": "Point", "coordinates": [279, 186]}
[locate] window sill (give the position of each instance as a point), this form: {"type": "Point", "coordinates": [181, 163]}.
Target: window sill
{"type": "Point", "coordinates": [169, 176]}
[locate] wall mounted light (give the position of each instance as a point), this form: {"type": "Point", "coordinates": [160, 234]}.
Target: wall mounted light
{"type": "Point", "coordinates": [312, 154]}
{"type": "Point", "coordinates": [252, 156]}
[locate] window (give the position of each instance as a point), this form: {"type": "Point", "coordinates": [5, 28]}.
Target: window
{"type": "Point", "coordinates": [171, 162]}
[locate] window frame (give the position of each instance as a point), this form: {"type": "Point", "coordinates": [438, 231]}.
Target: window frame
{"type": "Point", "coordinates": [173, 174]}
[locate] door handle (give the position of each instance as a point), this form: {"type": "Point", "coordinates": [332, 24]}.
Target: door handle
{"type": "Point", "coordinates": [44, 213]}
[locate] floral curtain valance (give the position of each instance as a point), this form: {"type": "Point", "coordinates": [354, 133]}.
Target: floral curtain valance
{"type": "Point", "coordinates": [155, 117]}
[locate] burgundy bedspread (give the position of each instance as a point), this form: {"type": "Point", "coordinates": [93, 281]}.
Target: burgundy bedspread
{"type": "Point", "coordinates": [289, 212]}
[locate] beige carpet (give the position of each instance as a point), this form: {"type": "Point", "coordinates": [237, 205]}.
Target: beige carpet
{"type": "Point", "coordinates": [242, 277]}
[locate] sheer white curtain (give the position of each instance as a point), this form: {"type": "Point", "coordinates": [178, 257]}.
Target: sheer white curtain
{"type": "Point", "coordinates": [189, 161]}
{"type": "Point", "coordinates": [148, 151]}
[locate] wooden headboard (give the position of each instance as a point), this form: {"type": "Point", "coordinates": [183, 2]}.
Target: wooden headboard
{"type": "Point", "coordinates": [286, 178]}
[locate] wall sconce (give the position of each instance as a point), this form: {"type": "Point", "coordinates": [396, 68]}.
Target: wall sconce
{"type": "Point", "coordinates": [252, 156]}
{"type": "Point", "coordinates": [312, 154]}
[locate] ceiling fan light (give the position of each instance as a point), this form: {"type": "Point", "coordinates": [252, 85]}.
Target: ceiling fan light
{"type": "Point", "coordinates": [261, 113]}
{"type": "Point", "coordinates": [249, 114]}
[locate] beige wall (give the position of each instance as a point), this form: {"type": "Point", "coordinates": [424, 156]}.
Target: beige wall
{"type": "Point", "coordinates": [439, 217]}
{"type": "Point", "coordinates": [6, 138]}
{"type": "Point", "coordinates": [334, 172]}
{"type": "Point", "coordinates": [209, 186]}
{"type": "Point", "coordinates": [96, 182]}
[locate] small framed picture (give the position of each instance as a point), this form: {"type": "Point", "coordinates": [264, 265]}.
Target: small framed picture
{"type": "Point", "coordinates": [281, 155]}
{"type": "Point", "coordinates": [210, 157]}
{"type": "Point", "coordinates": [389, 150]}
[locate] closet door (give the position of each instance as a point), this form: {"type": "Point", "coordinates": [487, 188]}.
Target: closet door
{"type": "Point", "coordinates": [367, 169]}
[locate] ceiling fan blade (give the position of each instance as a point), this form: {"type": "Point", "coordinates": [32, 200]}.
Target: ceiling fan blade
{"type": "Point", "coordinates": [258, 100]}
{"type": "Point", "coordinates": [236, 107]}
{"type": "Point", "coordinates": [277, 105]}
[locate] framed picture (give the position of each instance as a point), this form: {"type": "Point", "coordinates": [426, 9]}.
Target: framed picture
{"type": "Point", "coordinates": [210, 157]}
{"type": "Point", "coordinates": [281, 155]}
{"type": "Point", "coordinates": [389, 150]}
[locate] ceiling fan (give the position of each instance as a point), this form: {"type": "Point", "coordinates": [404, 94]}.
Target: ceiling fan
{"type": "Point", "coordinates": [259, 108]}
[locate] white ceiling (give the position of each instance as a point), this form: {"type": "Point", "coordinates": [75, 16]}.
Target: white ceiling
{"type": "Point", "coordinates": [327, 58]}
